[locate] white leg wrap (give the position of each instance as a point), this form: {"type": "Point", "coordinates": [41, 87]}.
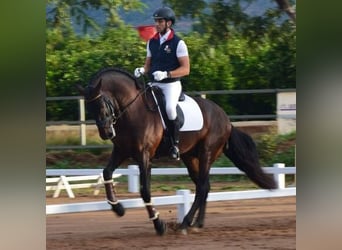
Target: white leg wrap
{"type": "Point", "coordinates": [112, 202]}
{"type": "Point", "coordinates": [149, 204]}
{"type": "Point", "coordinates": [156, 215]}
{"type": "Point", "coordinates": [109, 181]}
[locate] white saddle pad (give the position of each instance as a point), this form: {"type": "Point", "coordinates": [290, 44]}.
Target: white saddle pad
{"type": "Point", "coordinates": [193, 118]}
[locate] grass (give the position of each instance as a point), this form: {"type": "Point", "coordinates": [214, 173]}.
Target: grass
{"type": "Point", "coordinates": [70, 135]}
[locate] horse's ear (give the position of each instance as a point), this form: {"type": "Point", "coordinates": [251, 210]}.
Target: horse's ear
{"type": "Point", "coordinates": [98, 86]}
{"type": "Point", "coordinates": [80, 89]}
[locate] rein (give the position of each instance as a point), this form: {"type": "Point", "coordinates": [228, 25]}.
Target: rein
{"type": "Point", "coordinates": [112, 108]}
{"type": "Point", "coordinates": [93, 99]}
{"type": "Point", "coordinates": [129, 104]}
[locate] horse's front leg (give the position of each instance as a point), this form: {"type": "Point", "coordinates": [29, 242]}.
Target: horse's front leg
{"type": "Point", "coordinates": [113, 163]}
{"type": "Point", "coordinates": [145, 192]}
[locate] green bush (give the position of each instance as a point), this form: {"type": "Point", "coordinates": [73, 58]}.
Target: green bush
{"type": "Point", "coordinates": [230, 65]}
{"type": "Point", "coordinates": [274, 148]}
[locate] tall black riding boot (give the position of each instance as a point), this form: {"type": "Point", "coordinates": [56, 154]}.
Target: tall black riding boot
{"type": "Point", "coordinates": [174, 134]}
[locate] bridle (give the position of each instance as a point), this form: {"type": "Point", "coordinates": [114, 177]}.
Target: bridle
{"type": "Point", "coordinates": [113, 117]}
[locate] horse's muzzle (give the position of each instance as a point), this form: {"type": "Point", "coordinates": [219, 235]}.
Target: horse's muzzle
{"type": "Point", "coordinates": [107, 133]}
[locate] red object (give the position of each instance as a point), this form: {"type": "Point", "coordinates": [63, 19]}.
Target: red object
{"type": "Point", "coordinates": [146, 32]}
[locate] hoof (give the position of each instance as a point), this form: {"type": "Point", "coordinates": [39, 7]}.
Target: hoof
{"type": "Point", "coordinates": [184, 231]}
{"type": "Point", "coordinates": [183, 228]}
{"type": "Point", "coordinates": [160, 227]}
{"type": "Point", "coordinates": [195, 229]}
{"type": "Point", "coordinates": [118, 209]}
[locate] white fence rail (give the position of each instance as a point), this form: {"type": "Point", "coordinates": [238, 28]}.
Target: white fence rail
{"type": "Point", "coordinates": [182, 199]}
{"type": "Point", "coordinates": [67, 183]}
{"type": "Point", "coordinates": [278, 170]}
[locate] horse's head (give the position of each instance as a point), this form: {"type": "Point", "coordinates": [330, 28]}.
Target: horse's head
{"type": "Point", "coordinates": [101, 108]}
{"type": "Point", "coordinates": [109, 94]}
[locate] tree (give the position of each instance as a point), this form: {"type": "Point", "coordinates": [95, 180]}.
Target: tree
{"type": "Point", "coordinates": [285, 6]}
{"type": "Point", "coordinates": [222, 18]}
{"type": "Point", "coordinates": [71, 60]}
{"type": "Point", "coordinates": [242, 51]}
{"type": "Point", "coordinates": [66, 14]}
{"type": "Point", "coordinates": [254, 52]}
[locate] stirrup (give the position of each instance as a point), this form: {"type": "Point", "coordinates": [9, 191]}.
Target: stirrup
{"type": "Point", "coordinates": [174, 153]}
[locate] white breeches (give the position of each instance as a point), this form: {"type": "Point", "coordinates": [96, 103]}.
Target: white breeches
{"type": "Point", "coordinates": [171, 92]}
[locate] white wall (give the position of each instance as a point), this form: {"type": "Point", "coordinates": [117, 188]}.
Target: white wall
{"type": "Point", "coordinates": [286, 112]}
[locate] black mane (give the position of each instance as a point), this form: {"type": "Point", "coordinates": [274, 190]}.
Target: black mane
{"type": "Point", "coordinates": [97, 75]}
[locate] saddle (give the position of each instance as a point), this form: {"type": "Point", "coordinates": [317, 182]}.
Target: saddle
{"type": "Point", "coordinates": [188, 111]}
{"type": "Point", "coordinates": [189, 115]}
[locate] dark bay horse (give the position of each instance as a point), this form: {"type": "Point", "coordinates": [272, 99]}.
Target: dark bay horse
{"type": "Point", "coordinates": [121, 106]}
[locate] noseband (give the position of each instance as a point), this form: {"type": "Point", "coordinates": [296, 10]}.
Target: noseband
{"type": "Point", "coordinates": [109, 105]}
{"type": "Point", "coordinates": [112, 118]}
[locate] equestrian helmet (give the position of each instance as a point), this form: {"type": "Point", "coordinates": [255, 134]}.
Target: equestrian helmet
{"type": "Point", "coordinates": [165, 13]}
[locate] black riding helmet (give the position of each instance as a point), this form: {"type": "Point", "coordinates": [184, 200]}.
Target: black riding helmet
{"type": "Point", "coordinates": [165, 13]}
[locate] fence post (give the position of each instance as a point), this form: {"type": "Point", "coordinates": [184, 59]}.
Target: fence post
{"type": "Point", "coordinates": [82, 126]}
{"type": "Point", "coordinates": [133, 179]}
{"type": "Point", "coordinates": [183, 208]}
{"type": "Point", "coordinates": [279, 177]}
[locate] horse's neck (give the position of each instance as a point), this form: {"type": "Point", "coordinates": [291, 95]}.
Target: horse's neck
{"type": "Point", "coordinates": [120, 91]}
{"type": "Point", "coordinates": [125, 96]}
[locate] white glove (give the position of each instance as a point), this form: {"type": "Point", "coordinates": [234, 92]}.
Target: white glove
{"type": "Point", "coordinates": [139, 72]}
{"type": "Point", "coordinates": [159, 75]}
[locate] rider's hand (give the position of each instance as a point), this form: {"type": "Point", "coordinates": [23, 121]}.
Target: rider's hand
{"type": "Point", "coordinates": [139, 72]}
{"type": "Point", "coordinates": [160, 75]}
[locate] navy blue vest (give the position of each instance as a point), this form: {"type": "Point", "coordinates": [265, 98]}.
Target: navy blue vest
{"type": "Point", "coordinates": [164, 56]}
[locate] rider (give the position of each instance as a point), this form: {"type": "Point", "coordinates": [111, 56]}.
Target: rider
{"type": "Point", "coordinates": [167, 60]}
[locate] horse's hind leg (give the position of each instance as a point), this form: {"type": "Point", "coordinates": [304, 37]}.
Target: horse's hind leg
{"type": "Point", "coordinates": [199, 206]}
{"type": "Point", "coordinates": [200, 176]}
{"type": "Point", "coordinates": [192, 165]}
{"type": "Point", "coordinates": [207, 158]}
{"type": "Point", "coordinates": [204, 188]}
{"type": "Point", "coordinates": [113, 163]}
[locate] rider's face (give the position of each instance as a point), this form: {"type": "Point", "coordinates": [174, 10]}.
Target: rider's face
{"type": "Point", "coordinates": [161, 25]}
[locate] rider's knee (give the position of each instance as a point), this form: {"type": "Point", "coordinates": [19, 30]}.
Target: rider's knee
{"type": "Point", "coordinates": [171, 113]}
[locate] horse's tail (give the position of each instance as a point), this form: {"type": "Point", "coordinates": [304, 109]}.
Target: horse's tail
{"type": "Point", "coordinates": [241, 150]}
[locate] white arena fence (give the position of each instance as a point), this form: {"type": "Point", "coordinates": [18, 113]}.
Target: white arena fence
{"type": "Point", "coordinates": [182, 199]}
{"type": "Point", "coordinates": [62, 182]}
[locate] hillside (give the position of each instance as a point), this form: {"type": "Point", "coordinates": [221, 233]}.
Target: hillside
{"type": "Point", "coordinates": [144, 17]}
